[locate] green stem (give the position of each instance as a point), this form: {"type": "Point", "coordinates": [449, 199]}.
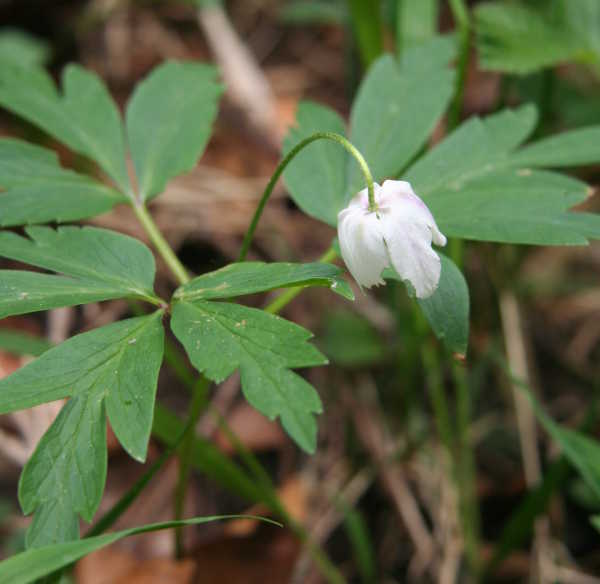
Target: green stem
{"type": "Point", "coordinates": [286, 297]}
{"type": "Point", "coordinates": [462, 23]}
{"type": "Point", "coordinates": [327, 568]}
{"type": "Point", "coordinates": [466, 473]}
{"type": "Point", "coordinates": [339, 139]}
{"type": "Point", "coordinates": [160, 243]}
{"type": "Point", "coordinates": [200, 390]}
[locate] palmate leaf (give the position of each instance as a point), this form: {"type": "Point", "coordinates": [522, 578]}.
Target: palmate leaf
{"type": "Point", "coordinates": [396, 109]}
{"type": "Point", "coordinates": [30, 565]}
{"type": "Point", "coordinates": [222, 337]}
{"type": "Point", "coordinates": [521, 39]}
{"type": "Point", "coordinates": [480, 185]}
{"type": "Point", "coordinates": [169, 119]}
{"type": "Point", "coordinates": [110, 371]}
{"type": "Point", "coordinates": [101, 265]}
{"type": "Point", "coordinates": [38, 190]}
{"type": "Point", "coordinates": [250, 277]}
{"type": "Point", "coordinates": [84, 116]}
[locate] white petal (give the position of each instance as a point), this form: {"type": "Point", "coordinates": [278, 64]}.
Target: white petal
{"type": "Point", "coordinates": [409, 247]}
{"type": "Point", "coordinates": [399, 197]}
{"type": "Point", "coordinates": [361, 242]}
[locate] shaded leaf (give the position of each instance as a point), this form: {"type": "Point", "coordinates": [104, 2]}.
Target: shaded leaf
{"type": "Point", "coordinates": [221, 337]}
{"type": "Point", "coordinates": [23, 292]}
{"type": "Point", "coordinates": [32, 564]}
{"type": "Point", "coordinates": [93, 256]}
{"type": "Point", "coordinates": [479, 185]}
{"type": "Point", "coordinates": [169, 120]}
{"type": "Point", "coordinates": [38, 190]}
{"type": "Point", "coordinates": [447, 310]}
{"type": "Point", "coordinates": [250, 277]}
{"type": "Point", "coordinates": [113, 369]}
{"type": "Point", "coordinates": [84, 116]}
{"type": "Point", "coordinates": [20, 48]}
{"type": "Point", "coordinates": [396, 109]}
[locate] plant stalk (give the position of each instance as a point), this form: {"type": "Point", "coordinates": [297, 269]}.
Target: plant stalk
{"type": "Point", "coordinates": [160, 243]}
{"type": "Point", "coordinates": [339, 139]}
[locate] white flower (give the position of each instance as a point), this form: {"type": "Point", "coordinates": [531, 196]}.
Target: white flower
{"type": "Point", "coordinates": [398, 234]}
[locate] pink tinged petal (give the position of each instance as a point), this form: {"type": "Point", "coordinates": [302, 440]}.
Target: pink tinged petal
{"type": "Point", "coordinates": [408, 206]}
{"type": "Point", "coordinates": [409, 248]}
{"type": "Point", "coordinates": [362, 245]}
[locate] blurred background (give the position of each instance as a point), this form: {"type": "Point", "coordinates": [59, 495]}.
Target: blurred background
{"type": "Point", "coordinates": [378, 499]}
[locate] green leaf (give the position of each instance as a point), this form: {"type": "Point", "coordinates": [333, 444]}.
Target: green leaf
{"type": "Point", "coordinates": [479, 185]}
{"type": "Point", "coordinates": [250, 277]}
{"type": "Point", "coordinates": [111, 370]}
{"type": "Point", "coordinates": [84, 117]}
{"type": "Point", "coordinates": [349, 340]}
{"type": "Point", "coordinates": [580, 450]}
{"type": "Point", "coordinates": [38, 190]}
{"type": "Point", "coordinates": [23, 292]}
{"type": "Point", "coordinates": [477, 147]}
{"type": "Point", "coordinates": [169, 120]}
{"type": "Point", "coordinates": [316, 176]}
{"type": "Point", "coordinates": [315, 12]}
{"type": "Point", "coordinates": [365, 17]}
{"type": "Point", "coordinates": [221, 337]}
{"type": "Point", "coordinates": [66, 474]}
{"type": "Point", "coordinates": [32, 564]}
{"type": "Point", "coordinates": [417, 21]}
{"type": "Point", "coordinates": [397, 108]}
{"type": "Point", "coordinates": [20, 343]}
{"type": "Point", "coordinates": [447, 310]}
{"type": "Point", "coordinates": [20, 48]}
{"type": "Point", "coordinates": [518, 39]}
{"type": "Point", "coordinates": [574, 148]}
{"type": "Point", "coordinates": [512, 206]}
{"type": "Point", "coordinates": [96, 258]}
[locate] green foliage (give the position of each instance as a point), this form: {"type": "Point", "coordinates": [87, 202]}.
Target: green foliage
{"type": "Point", "coordinates": [365, 18]}
{"type": "Point", "coordinates": [250, 277]}
{"type": "Point", "coordinates": [317, 178]}
{"type": "Point", "coordinates": [479, 185]}
{"type": "Point", "coordinates": [32, 564]}
{"type": "Point", "coordinates": [315, 12]}
{"type": "Point", "coordinates": [20, 343]}
{"type": "Point", "coordinates": [38, 190]}
{"type": "Point", "coordinates": [520, 38]}
{"type": "Point", "coordinates": [19, 48]}
{"type": "Point", "coordinates": [110, 371]}
{"type": "Point", "coordinates": [350, 341]}
{"type": "Point", "coordinates": [169, 119]}
{"type": "Point", "coordinates": [447, 310]}
{"type": "Point", "coordinates": [417, 21]}
{"type": "Point", "coordinates": [221, 337]}
{"type": "Point", "coordinates": [101, 265]}
{"type": "Point", "coordinates": [84, 116]}
{"type": "Point", "coordinates": [396, 109]}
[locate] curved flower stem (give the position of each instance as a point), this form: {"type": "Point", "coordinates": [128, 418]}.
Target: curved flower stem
{"type": "Point", "coordinates": [339, 139]}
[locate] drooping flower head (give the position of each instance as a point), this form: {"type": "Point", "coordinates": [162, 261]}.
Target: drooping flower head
{"type": "Point", "coordinates": [398, 234]}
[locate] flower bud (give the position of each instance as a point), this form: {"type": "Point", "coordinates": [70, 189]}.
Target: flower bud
{"type": "Point", "coordinates": [398, 234]}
